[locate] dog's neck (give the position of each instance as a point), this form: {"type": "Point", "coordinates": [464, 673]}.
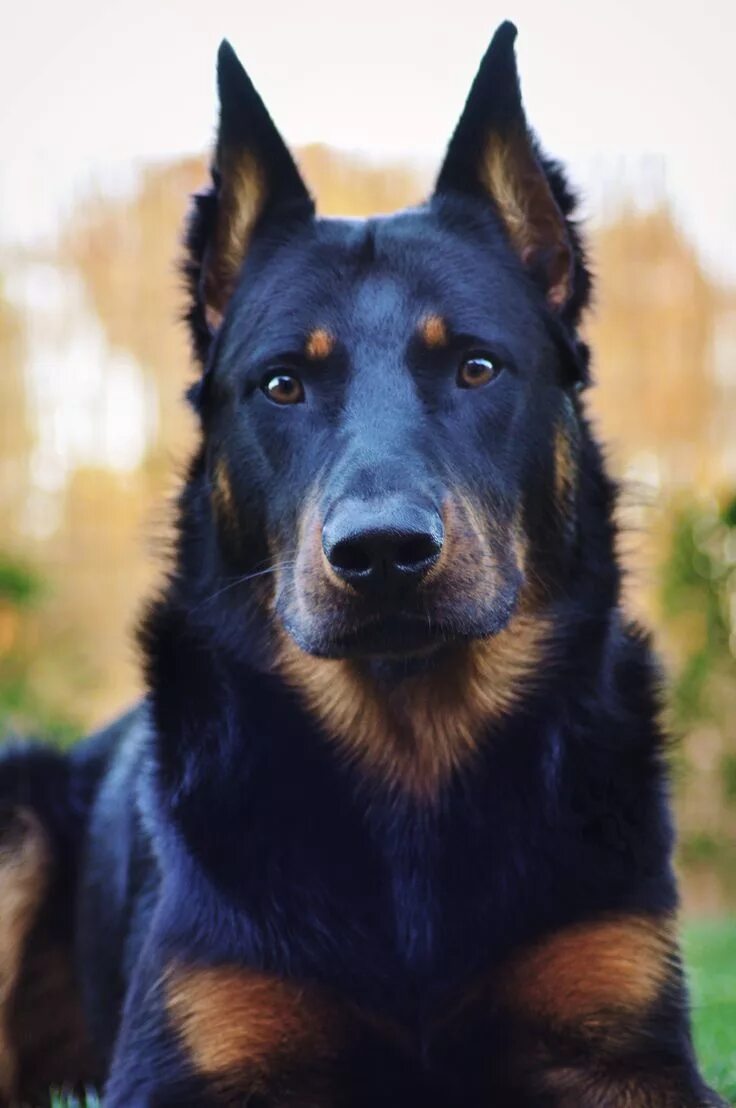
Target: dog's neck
{"type": "Point", "coordinates": [414, 730]}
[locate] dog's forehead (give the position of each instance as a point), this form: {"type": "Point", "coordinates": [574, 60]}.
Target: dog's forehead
{"type": "Point", "coordinates": [385, 279]}
{"type": "Point", "coordinates": [397, 271]}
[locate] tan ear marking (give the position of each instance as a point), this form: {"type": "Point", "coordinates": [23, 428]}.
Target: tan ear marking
{"type": "Point", "coordinates": [433, 331]}
{"type": "Point", "coordinates": [516, 182]}
{"type": "Point", "coordinates": [320, 343]}
{"type": "Point", "coordinates": [242, 199]}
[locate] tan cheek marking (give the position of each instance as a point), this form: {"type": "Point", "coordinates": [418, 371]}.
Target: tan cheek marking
{"type": "Point", "coordinates": [589, 970]}
{"type": "Point", "coordinates": [233, 1020]}
{"type": "Point", "coordinates": [520, 543]}
{"type": "Point", "coordinates": [433, 331]}
{"type": "Point", "coordinates": [24, 873]}
{"type": "Point", "coordinates": [320, 343]}
{"type": "Point", "coordinates": [223, 494]}
{"type": "Point", "coordinates": [565, 470]}
{"type": "Point", "coordinates": [314, 589]}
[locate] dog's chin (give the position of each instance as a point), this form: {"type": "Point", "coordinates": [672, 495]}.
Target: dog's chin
{"type": "Point", "coordinates": [406, 643]}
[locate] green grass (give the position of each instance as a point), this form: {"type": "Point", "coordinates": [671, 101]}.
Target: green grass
{"type": "Point", "coordinates": [710, 953]}
{"type": "Point", "coordinates": [90, 1101]}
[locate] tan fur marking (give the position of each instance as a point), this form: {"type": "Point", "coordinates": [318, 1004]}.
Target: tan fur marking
{"type": "Point", "coordinates": [242, 199]}
{"type": "Point", "coordinates": [565, 469]}
{"type": "Point", "coordinates": [237, 1021]}
{"type": "Point", "coordinates": [24, 871]}
{"type": "Point", "coordinates": [320, 343]}
{"type": "Point", "coordinates": [577, 976]}
{"type": "Point", "coordinates": [517, 184]}
{"type": "Point", "coordinates": [417, 736]}
{"type": "Point", "coordinates": [223, 494]}
{"type": "Point", "coordinates": [433, 331]}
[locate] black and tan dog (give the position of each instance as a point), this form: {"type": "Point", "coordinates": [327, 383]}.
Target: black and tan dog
{"type": "Point", "coordinates": [391, 827]}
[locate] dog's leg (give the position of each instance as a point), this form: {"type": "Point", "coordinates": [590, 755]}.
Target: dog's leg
{"type": "Point", "coordinates": [24, 871]}
{"type": "Point", "coordinates": [600, 1018]}
{"type": "Point", "coordinates": [43, 1041]}
{"type": "Point", "coordinates": [226, 1035]}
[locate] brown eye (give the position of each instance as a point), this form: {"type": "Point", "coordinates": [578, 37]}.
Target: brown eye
{"type": "Point", "coordinates": [283, 388]}
{"type": "Point", "coordinates": [477, 370]}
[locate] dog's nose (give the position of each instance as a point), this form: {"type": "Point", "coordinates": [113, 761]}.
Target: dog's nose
{"type": "Point", "coordinates": [378, 545]}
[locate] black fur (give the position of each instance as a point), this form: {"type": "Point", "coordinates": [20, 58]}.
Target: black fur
{"type": "Point", "coordinates": [219, 829]}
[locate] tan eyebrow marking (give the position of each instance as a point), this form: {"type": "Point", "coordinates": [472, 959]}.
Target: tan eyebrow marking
{"type": "Point", "coordinates": [433, 330]}
{"type": "Point", "coordinates": [320, 343]}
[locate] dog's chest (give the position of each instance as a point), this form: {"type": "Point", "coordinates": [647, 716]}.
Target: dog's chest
{"type": "Point", "coordinates": [415, 895]}
{"type": "Point", "coordinates": [466, 877]}
{"type": "Point", "coordinates": [453, 890]}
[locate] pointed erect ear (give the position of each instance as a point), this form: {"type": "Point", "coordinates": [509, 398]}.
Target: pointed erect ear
{"type": "Point", "coordinates": [492, 156]}
{"type": "Point", "coordinates": [253, 176]}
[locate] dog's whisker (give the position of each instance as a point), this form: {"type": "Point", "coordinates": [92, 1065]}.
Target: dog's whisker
{"type": "Point", "coordinates": [241, 581]}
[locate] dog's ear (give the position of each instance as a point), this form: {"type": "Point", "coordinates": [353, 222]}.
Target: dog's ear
{"type": "Point", "coordinates": [253, 177]}
{"type": "Point", "coordinates": [493, 156]}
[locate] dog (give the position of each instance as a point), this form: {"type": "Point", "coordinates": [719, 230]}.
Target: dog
{"type": "Point", "coordinates": [391, 825]}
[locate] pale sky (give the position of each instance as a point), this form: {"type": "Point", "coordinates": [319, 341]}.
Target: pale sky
{"type": "Point", "coordinates": [637, 91]}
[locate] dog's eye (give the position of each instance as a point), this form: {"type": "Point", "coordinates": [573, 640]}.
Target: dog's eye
{"type": "Point", "coordinates": [284, 388]}
{"type": "Point", "coordinates": [477, 370]}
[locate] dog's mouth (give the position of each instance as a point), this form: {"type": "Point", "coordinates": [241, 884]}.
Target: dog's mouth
{"type": "Point", "coordinates": [397, 635]}
{"type": "Point", "coordinates": [407, 633]}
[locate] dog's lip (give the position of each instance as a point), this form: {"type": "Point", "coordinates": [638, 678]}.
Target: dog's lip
{"type": "Point", "coordinates": [399, 632]}
{"type": "Point", "coordinates": [395, 635]}
{"type": "Point", "coordinates": [391, 634]}
{"type": "Point", "coordinates": [407, 636]}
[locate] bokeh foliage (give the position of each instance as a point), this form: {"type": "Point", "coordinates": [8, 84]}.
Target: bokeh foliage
{"type": "Point", "coordinates": [698, 601]}
{"type": "Point", "coordinates": [698, 595]}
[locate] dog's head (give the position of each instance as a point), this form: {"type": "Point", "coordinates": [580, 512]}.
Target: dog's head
{"type": "Point", "coordinates": [388, 406]}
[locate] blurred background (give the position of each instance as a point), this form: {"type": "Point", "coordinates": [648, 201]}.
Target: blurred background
{"type": "Point", "coordinates": [107, 115]}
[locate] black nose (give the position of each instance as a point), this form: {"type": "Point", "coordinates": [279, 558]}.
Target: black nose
{"type": "Point", "coordinates": [378, 545]}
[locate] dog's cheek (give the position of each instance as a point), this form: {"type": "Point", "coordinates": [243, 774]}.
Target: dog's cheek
{"type": "Point", "coordinates": [249, 545]}
{"type": "Point", "coordinates": [464, 574]}
{"type": "Point", "coordinates": [566, 471]}
{"type": "Point", "coordinates": [309, 592]}
{"type": "Point", "coordinates": [482, 570]}
{"type": "Point", "coordinates": [223, 501]}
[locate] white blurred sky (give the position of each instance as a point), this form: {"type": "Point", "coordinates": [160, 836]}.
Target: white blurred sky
{"type": "Point", "coordinates": [88, 89]}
